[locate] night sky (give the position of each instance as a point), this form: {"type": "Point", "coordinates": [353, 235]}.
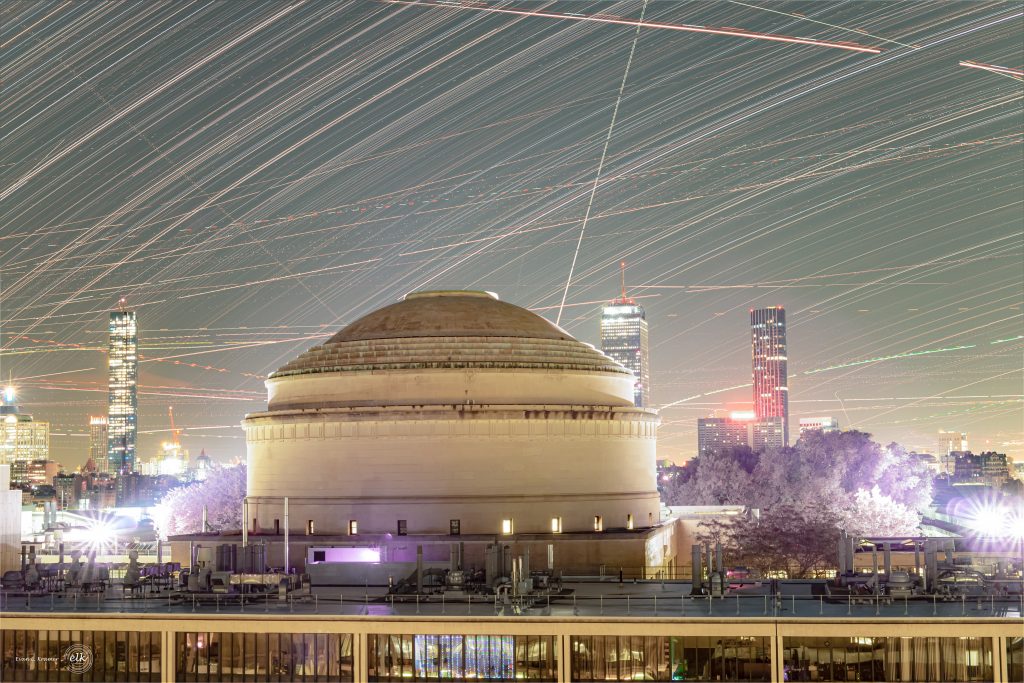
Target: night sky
{"type": "Point", "coordinates": [252, 176]}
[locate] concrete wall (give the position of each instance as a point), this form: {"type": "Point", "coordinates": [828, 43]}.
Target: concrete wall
{"type": "Point", "coordinates": [477, 464]}
{"type": "Point", "coordinates": [10, 522]}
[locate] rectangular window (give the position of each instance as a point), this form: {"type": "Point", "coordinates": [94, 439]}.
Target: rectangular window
{"type": "Point", "coordinates": [454, 527]}
{"type": "Point", "coordinates": [319, 555]}
{"type": "Point", "coordinates": [309, 528]}
{"type": "Point", "coordinates": [506, 526]}
{"type": "Point", "coordinates": [277, 527]}
{"type": "Point", "coordinates": [556, 525]}
{"type": "Point", "coordinates": [650, 519]}
{"type": "Point", "coordinates": [403, 527]}
{"type": "Point", "coordinates": [353, 527]}
{"type": "Point", "coordinates": [598, 523]}
{"type": "Point", "coordinates": [629, 521]}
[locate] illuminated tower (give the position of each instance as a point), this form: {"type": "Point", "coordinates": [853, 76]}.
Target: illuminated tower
{"type": "Point", "coordinates": [98, 441]}
{"type": "Point", "coordinates": [122, 401]}
{"type": "Point", "coordinates": [624, 338]}
{"type": "Point", "coordinates": [771, 395]}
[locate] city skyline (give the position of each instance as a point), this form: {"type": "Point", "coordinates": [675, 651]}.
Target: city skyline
{"type": "Point", "coordinates": [252, 177]}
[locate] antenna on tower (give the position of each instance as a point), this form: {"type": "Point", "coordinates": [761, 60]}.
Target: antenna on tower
{"type": "Point", "coordinates": [121, 303]}
{"type": "Point", "coordinates": [622, 270]}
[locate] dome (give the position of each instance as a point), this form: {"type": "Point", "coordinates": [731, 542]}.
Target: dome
{"type": "Point", "coordinates": [450, 314]}
{"type": "Point", "coordinates": [406, 352]}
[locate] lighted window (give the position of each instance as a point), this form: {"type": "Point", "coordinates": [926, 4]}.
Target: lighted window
{"type": "Point", "coordinates": [556, 525]}
{"type": "Point", "coordinates": [454, 527]}
{"type": "Point", "coordinates": [629, 521]}
{"type": "Point", "coordinates": [598, 523]}
{"type": "Point", "coordinates": [353, 527]}
{"type": "Point", "coordinates": [506, 526]}
{"type": "Point", "coordinates": [309, 528]}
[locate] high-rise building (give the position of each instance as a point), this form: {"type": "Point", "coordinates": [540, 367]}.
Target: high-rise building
{"type": "Point", "coordinates": [721, 433]}
{"type": "Point", "coordinates": [23, 440]}
{"type": "Point", "coordinates": [624, 338]}
{"type": "Point", "coordinates": [823, 424]}
{"type": "Point", "coordinates": [768, 346]}
{"type": "Point", "coordinates": [122, 406]}
{"type": "Point", "coordinates": [98, 441]}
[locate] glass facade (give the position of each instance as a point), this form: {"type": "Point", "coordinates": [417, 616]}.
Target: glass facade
{"type": "Point", "coordinates": [203, 656]}
{"type": "Point", "coordinates": [768, 348]}
{"type": "Point", "coordinates": [122, 398]}
{"type": "Point", "coordinates": [410, 657]}
{"type": "Point", "coordinates": [888, 659]}
{"type": "Point", "coordinates": [624, 338]}
{"type": "Point", "coordinates": [112, 655]}
{"type": "Point", "coordinates": [1015, 659]}
{"type": "Point", "coordinates": [670, 658]}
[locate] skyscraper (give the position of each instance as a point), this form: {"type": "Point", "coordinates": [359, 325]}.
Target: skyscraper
{"type": "Point", "coordinates": [624, 338]}
{"type": "Point", "coordinates": [771, 394]}
{"type": "Point", "coordinates": [98, 442]}
{"type": "Point", "coordinates": [122, 402]}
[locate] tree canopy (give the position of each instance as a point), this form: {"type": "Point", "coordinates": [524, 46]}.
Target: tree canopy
{"type": "Point", "coordinates": [826, 483]}
{"type": "Point", "coordinates": [181, 510]}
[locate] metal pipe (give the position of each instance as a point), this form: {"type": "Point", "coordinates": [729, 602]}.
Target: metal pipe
{"type": "Point", "coordinates": [287, 548]}
{"type": "Point", "coordinates": [245, 522]}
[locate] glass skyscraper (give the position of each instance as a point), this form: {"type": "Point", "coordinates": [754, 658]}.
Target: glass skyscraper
{"type": "Point", "coordinates": [122, 399]}
{"type": "Point", "coordinates": [624, 338]}
{"type": "Point", "coordinates": [771, 393]}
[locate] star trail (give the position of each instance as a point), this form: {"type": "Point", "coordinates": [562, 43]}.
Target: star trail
{"type": "Point", "coordinates": [252, 176]}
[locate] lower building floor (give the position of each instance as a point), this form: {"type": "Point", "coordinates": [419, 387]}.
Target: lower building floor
{"type": "Point", "coordinates": [219, 647]}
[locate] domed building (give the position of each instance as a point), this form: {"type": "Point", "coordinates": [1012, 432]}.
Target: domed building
{"type": "Point", "coordinates": [451, 413]}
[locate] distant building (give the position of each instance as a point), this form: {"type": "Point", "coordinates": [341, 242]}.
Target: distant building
{"type": "Point", "coordinates": [721, 433]}
{"type": "Point", "coordinates": [624, 338]}
{"type": "Point", "coordinates": [122, 408]}
{"type": "Point", "coordinates": [768, 433]}
{"type": "Point", "coordinates": [950, 443]}
{"type": "Point", "coordinates": [771, 391]}
{"type": "Point", "coordinates": [36, 472]}
{"type": "Point", "coordinates": [823, 424]}
{"type": "Point", "coordinates": [98, 441]}
{"type": "Point", "coordinates": [23, 439]}
{"type": "Point", "coordinates": [984, 469]}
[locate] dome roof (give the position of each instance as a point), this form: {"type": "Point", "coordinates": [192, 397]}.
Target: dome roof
{"type": "Point", "coordinates": [450, 330]}
{"type": "Point", "coordinates": [450, 314]}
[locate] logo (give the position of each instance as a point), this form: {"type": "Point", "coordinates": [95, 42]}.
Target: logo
{"type": "Point", "coordinates": [78, 658]}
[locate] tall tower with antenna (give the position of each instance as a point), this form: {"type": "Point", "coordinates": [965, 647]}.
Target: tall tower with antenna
{"type": "Point", "coordinates": [624, 338]}
{"type": "Point", "coordinates": [122, 396]}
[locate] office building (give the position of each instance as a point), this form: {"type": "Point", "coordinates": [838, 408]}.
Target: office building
{"type": "Point", "coordinates": [98, 441]}
{"type": "Point", "coordinates": [768, 433]}
{"type": "Point", "coordinates": [821, 424]}
{"type": "Point", "coordinates": [983, 469]}
{"type": "Point", "coordinates": [122, 407]}
{"type": "Point", "coordinates": [722, 433]}
{"type": "Point", "coordinates": [768, 351]}
{"type": "Point", "coordinates": [624, 338]}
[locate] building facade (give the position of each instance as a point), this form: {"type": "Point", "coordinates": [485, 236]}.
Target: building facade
{"type": "Point", "coordinates": [624, 338]}
{"type": "Point", "coordinates": [768, 351]}
{"type": "Point", "coordinates": [721, 433]}
{"type": "Point", "coordinates": [768, 433]}
{"type": "Point", "coordinates": [951, 443]}
{"type": "Point", "coordinates": [98, 442]}
{"type": "Point", "coordinates": [273, 647]}
{"type": "Point", "coordinates": [821, 424]}
{"type": "Point", "coordinates": [451, 413]}
{"type": "Point", "coordinates": [122, 402]}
